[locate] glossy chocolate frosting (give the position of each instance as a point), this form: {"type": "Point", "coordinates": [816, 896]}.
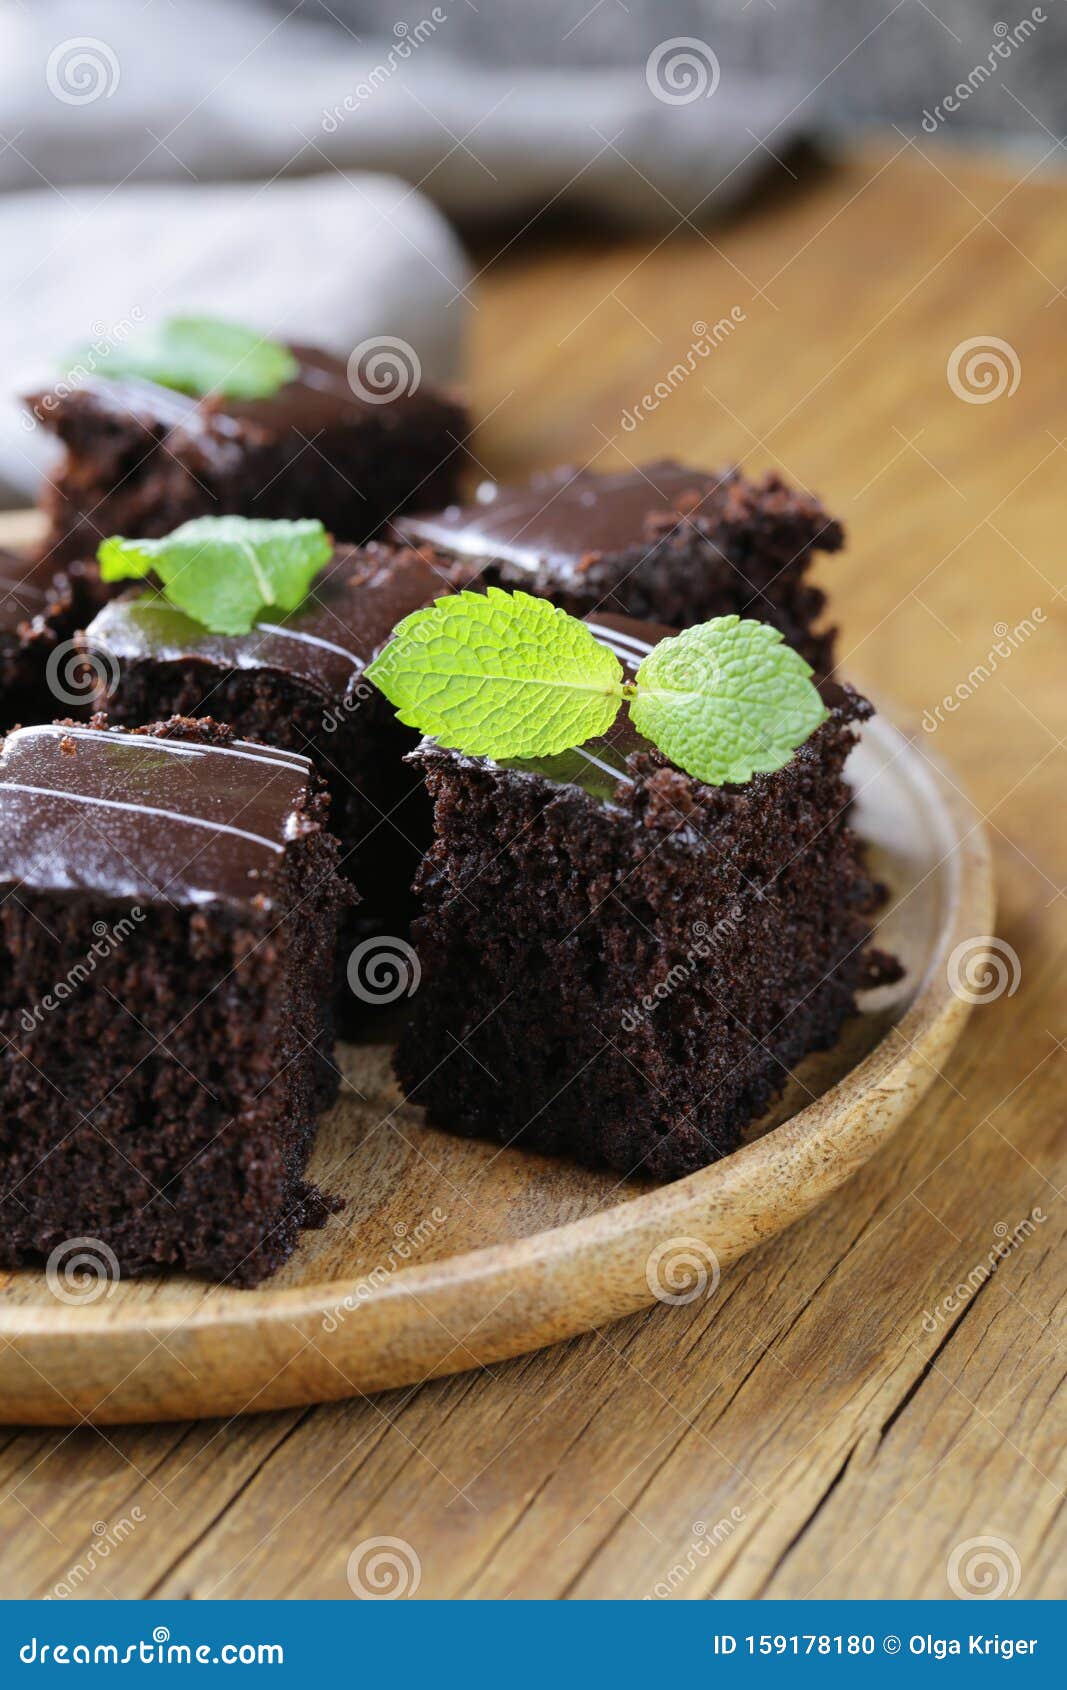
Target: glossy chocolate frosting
{"type": "Point", "coordinates": [560, 518]}
{"type": "Point", "coordinates": [318, 398]}
{"type": "Point", "coordinates": [122, 816]}
{"type": "Point", "coordinates": [350, 613]}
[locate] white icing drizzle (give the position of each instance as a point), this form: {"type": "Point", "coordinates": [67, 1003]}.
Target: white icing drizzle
{"type": "Point", "coordinates": [612, 637]}
{"type": "Point", "coordinates": [268, 754]}
{"type": "Point", "coordinates": [310, 639]}
{"type": "Point", "coordinates": [606, 768]}
{"type": "Point", "coordinates": [139, 810]}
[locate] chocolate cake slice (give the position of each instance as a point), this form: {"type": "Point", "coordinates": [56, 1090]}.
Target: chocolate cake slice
{"type": "Point", "coordinates": [40, 609]}
{"type": "Point", "coordinates": [297, 683]}
{"type": "Point", "coordinates": [168, 905]}
{"type": "Point", "coordinates": [140, 459]}
{"type": "Point", "coordinates": [620, 963]}
{"type": "Point", "coordinates": [662, 542]}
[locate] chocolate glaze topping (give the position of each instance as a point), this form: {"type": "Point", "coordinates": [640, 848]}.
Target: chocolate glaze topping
{"type": "Point", "coordinates": [162, 821]}
{"type": "Point", "coordinates": [563, 516]}
{"type": "Point", "coordinates": [319, 397]}
{"type": "Point", "coordinates": [352, 609]}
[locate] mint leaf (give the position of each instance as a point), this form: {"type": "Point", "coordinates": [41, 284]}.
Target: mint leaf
{"type": "Point", "coordinates": [500, 675]}
{"type": "Point", "coordinates": [508, 676]}
{"type": "Point", "coordinates": [224, 570]}
{"type": "Point", "coordinates": [200, 356]}
{"type": "Point", "coordinates": [726, 699]}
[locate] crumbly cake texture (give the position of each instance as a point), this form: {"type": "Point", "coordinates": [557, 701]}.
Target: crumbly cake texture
{"type": "Point", "coordinates": [168, 904]}
{"type": "Point", "coordinates": [40, 607]}
{"type": "Point", "coordinates": [619, 963]}
{"type": "Point", "coordinates": [661, 543]}
{"type": "Point", "coordinates": [299, 684]}
{"type": "Point", "coordinates": [140, 459]}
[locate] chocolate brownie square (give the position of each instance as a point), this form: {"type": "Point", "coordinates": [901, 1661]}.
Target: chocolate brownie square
{"type": "Point", "coordinates": [141, 459]}
{"type": "Point", "coordinates": [621, 964]}
{"type": "Point", "coordinates": [297, 683]}
{"type": "Point", "coordinates": [662, 543]}
{"type": "Point", "coordinates": [168, 905]}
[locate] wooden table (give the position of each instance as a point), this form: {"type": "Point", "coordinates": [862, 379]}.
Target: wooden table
{"type": "Point", "coordinates": [827, 1424]}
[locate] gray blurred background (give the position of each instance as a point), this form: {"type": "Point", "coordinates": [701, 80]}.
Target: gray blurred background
{"type": "Point", "coordinates": [882, 62]}
{"type": "Point", "coordinates": [317, 169]}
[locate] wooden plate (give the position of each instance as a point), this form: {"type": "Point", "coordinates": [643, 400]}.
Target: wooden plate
{"type": "Point", "coordinates": [451, 1254]}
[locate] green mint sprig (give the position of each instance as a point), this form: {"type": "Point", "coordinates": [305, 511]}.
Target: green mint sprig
{"type": "Point", "coordinates": [506, 675]}
{"type": "Point", "coordinates": [726, 699]}
{"type": "Point", "coordinates": [200, 356]}
{"type": "Point", "coordinates": [499, 675]}
{"type": "Point", "coordinates": [225, 570]}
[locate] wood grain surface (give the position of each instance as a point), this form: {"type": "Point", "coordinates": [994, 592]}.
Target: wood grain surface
{"type": "Point", "coordinates": [864, 1396]}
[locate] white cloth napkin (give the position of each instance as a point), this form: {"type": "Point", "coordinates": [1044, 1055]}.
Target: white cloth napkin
{"type": "Point", "coordinates": [328, 261]}
{"type": "Point", "coordinates": [242, 140]}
